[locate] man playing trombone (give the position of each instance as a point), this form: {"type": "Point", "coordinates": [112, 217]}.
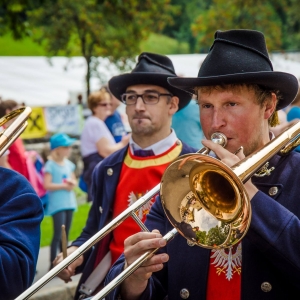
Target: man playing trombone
{"type": "Point", "coordinates": [238, 94]}
{"type": "Point", "coordinates": [126, 175]}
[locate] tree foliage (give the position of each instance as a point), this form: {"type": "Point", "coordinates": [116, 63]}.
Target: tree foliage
{"type": "Point", "coordinates": [277, 19]}
{"type": "Point", "coordinates": [110, 29]}
{"type": "Point", "coordinates": [246, 14]}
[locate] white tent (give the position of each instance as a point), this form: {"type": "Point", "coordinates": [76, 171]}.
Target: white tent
{"type": "Point", "coordinates": [40, 81]}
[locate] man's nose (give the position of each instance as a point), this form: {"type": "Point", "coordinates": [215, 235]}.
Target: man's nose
{"type": "Point", "coordinates": [140, 105]}
{"type": "Point", "coordinates": [218, 119]}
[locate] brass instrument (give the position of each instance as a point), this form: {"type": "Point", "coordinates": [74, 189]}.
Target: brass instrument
{"type": "Point", "coordinates": [10, 134]}
{"type": "Point", "coordinates": [194, 188]}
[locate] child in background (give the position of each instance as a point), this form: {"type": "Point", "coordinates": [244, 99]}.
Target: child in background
{"type": "Point", "coordinates": [59, 181]}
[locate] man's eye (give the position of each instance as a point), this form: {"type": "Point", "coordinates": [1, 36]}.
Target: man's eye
{"type": "Point", "coordinates": [232, 104]}
{"type": "Point", "coordinates": [150, 97]}
{"type": "Point", "coordinates": [205, 105]}
{"type": "Point", "coordinates": [131, 97]}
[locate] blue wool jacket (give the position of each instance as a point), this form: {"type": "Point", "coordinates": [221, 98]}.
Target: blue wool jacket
{"type": "Point", "coordinates": [270, 249]}
{"type": "Point", "coordinates": [104, 185]}
{"type": "Point", "coordinates": [21, 213]}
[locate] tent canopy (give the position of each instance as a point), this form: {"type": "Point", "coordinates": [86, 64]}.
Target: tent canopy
{"type": "Point", "coordinates": [41, 81]}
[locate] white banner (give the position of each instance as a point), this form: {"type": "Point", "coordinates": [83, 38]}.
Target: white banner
{"type": "Point", "coordinates": [67, 119]}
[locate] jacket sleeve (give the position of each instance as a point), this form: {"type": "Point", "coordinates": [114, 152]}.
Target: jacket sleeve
{"type": "Point", "coordinates": [275, 231]}
{"type": "Point", "coordinates": [21, 213]}
{"type": "Point", "coordinates": [92, 223]}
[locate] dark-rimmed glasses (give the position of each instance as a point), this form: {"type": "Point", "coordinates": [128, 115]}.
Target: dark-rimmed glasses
{"type": "Point", "coordinates": [148, 97]}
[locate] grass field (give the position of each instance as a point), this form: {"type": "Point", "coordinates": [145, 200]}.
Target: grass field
{"type": "Point", "coordinates": [78, 222]}
{"type": "Point", "coordinates": [26, 47]}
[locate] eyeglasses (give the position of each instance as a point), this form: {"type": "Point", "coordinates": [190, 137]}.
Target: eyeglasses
{"type": "Point", "coordinates": [148, 98]}
{"type": "Point", "coordinates": [104, 104]}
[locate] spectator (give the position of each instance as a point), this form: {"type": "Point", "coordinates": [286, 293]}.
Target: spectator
{"type": "Point", "coordinates": [59, 181]}
{"type": "Point", "coordinates": [114, 121]}
{"type": "Point", "coordinates": [96, 140]}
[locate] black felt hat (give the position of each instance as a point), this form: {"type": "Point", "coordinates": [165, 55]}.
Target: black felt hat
{"type": "Point", "coordinates": [153, 69]}
{"type": "Point", "coordinates": [240, 56]}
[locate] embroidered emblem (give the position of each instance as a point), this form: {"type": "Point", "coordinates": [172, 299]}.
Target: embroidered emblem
{"type": "Point", "coordinates": [228, 261]}
{"type": "Point", "coordinates": [144, 210]}
{"type": "Point", "coordinates": [264, 171]}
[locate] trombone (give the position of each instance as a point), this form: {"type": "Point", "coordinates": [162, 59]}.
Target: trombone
{"type": "Point", "coordinates": [14, 130]}
{"type": "Point", "coordinates": [192, 184]}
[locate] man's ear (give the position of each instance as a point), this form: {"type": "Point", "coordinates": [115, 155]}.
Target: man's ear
{"type": "Point", "coordinates": [270, 106]}
{"type": "Point", "coordinates": [174, 104]}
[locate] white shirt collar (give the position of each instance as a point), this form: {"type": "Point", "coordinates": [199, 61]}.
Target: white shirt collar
{"type": "Point", "coordinates": [159, 147]}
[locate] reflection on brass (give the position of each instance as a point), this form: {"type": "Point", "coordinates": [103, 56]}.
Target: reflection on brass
{"type": "Point", "coordinates": [13, 131]}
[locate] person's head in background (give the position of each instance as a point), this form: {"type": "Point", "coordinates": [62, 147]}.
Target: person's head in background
{"type": "Point", "coordinates": [115, 103]}
{"type": "Point", "coordinates": [60, 146]}
{"type": "Point", "coordinates": [99, 103]}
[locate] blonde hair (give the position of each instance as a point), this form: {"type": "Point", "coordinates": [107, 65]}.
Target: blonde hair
{"type": "Point", "coordinates": [262, 95]}
{"type": "Point", "coordinates": [96, 97]}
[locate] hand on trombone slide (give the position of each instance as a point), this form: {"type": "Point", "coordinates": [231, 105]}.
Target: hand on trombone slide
{"type": "Point", "coordinates": [134, 247]}
{"type": "Point", "coordinates": [69, 271]}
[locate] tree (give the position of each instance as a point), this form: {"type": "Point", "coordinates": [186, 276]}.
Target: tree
{"type": "Point", "coordinates": [98, 28]}
{"type": "Point", "coordinates": [13, 16]}
{"type": "Point", "coordinates": [241, 14]}
{"type": "Point", "coordinates": [183, 15]}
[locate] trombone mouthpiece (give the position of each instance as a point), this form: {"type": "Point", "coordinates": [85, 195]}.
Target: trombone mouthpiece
{"type": "Point", "coordinates": [219, 138]}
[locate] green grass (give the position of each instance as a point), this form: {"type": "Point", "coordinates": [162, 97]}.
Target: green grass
{"type": "Point", "coordinates": [26, 47]}
{"type": "Point", "coordinates": [78, 222]}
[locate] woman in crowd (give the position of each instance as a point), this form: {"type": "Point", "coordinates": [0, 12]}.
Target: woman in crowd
{"type": "Point", "coordinates": [97, 142]}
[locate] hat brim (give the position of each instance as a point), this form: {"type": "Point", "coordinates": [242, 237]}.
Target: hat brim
{"type": "Point", "coordinates": [118, 85]}
{"type": "Point", "coordinates": [286, 83]}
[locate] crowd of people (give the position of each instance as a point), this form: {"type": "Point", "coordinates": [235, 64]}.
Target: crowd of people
{"type": "Point", "coordinates": [236, 93]}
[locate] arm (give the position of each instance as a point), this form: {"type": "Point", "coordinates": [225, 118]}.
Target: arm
{"type": "Point", "coordinates": [105, 147]}
{"type": "Point", "coordinates": [50, 186]}
{"type": "Point", "coordinates": [21, 213]}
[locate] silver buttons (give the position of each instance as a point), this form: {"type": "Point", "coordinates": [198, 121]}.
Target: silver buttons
{"type": "Point", "coordinates": [110, 171]}
{"type": "Point", "coordinates": [100, 209]}
{"type": "Point", "coordinates": [266, 287]}
{"type": "Point", "coordinates": [273, 191]}
{"type": "Point", "coordinates": [184, 293]}
{"type": "Point", "coordinates": [178, 142]}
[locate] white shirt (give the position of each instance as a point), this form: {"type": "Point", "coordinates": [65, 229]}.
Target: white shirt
{"type": "Point", "coordinates": [159, 147]}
